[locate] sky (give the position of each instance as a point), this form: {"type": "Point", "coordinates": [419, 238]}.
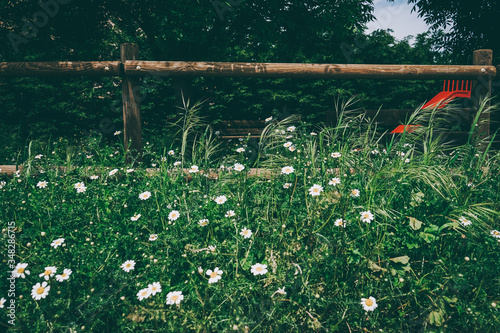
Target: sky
{"type": "Point", "coordinates": [397, 16]}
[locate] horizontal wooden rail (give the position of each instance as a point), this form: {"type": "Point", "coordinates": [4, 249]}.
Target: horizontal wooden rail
{"type": "Point", "coordinates": [317, 71]}
{"type": "Point", "coordinates": [54, 68]}
{"type": "Point", "coordinates": [234, 69]}
{"type": "Point", "coordinates": [10, 170]}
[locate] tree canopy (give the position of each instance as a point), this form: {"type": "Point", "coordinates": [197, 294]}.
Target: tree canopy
{"type": "Point", "coordinates": [470, 25]}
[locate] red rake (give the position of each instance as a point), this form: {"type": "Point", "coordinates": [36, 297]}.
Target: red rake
{"type": "Point", "coordinates": [451, 89]}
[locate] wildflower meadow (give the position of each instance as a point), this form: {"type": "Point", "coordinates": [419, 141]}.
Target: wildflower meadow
{"type": "Point", "coordinates": [308, 228]}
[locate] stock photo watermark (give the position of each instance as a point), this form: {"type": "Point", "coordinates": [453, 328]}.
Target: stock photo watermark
{"type": "Point", "coordinates": [11, 262]}
{"type": "Point", "coordinates": [40, 19]}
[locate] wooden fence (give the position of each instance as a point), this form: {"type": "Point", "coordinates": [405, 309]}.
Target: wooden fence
{"type": "Point", "coordinates": [131, 70]}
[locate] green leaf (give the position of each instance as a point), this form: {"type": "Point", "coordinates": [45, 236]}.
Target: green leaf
{"type": "Point", "coordinates": [415, 224]}
{"type": "Point", "coordinates": [404, 259]}
{"type": "Point", "coordinates": [374, 267]}
{"type": "Point", "coordinates": [436, 318]}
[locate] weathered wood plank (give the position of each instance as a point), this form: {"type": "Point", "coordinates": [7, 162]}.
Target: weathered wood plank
{"type": "Point", "coordinates": [331, 71]}
{"type": "Point", "coordinates": [9, 170]}
{"type": "Point", "coordinates": [131, 99]}
{"type": "Point", "coordinates": [63, 68]}
{"type": "Point", "coordinates": [482, 88]}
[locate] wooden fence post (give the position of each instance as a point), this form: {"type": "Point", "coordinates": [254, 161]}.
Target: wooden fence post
{"type": "Point", "coordinates": [482, 88]}
{"type": "Point", "coordinates": [131, 99]}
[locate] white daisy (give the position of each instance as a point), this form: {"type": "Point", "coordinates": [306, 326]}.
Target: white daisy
{"type": "Point", "coordinates": [135, 217]}
{"type": "Point", "coordinates": [81, 189]}
{"type": "Point", "coordinates": [239, 167]}
{"type": "Point", "coordinates": [145, 195]}
{"type": "Point", "coordinates": [128, 265]}
{"type": "Point", "coordinates": [171, 152]}
{"type": "Point", "coordinates": [281, 291]}
{"type": "Point", "coordinates": [291, 148]}
{"type": "Point", "coordinates": [48, 273]}
{"type": "Point", "coordinates": [369, 304]}
{"type": "Point", "coordinates": [212, 248]}
{"type": "Point", "coordinates": [464, 221]}
{"type": "Point", "coordinates": [42, 184]}
{"type": "Point", "coordinates": [367, 216]}
{"type": "Point", "coordinates": [287, 170]}
{"type": "Point", "coordinates": [315, 190]}
{"type": "Point", "coordinates": [495, 233]}
{"type": "Point", "coordinates": [203, 222]}
{"type": "Point", "coordinates": [230, 213]}
{"type": "Point", "coordinates": [177, 163]}
{"type": "Point", "coordinates": [335, 181]}
{"type": "Point", "coordinates": [287, 185]}
{"type": "Point", "coordinates": [269, 119]}
{"type": "Point", "coordinates": [154, 288]}
{"type": "Point", "coordinates": [355, 193]}
{"type": "Point", "coordinates": [64, 276]}
{"type": "Point", "coordinates": [143, 294]}
{"type": "Point", "coordinates": [340, 223]}
{"type": "Point", "coordinates": [79, 185]}
{"type": "Point", "coordinates": [375, 152]}
{"type": "Point", "coordinates": [240, 150]}
{"type": "Point", "coordinates": [174, 297]}
{"type": "Point", "coordinates": [130, 170]}
{"type": "Point", "coordinates": [246, 233]}
{"type": "Point", "coordinates": [20, 271]}
{"type": "Point", "coordinates": [287, 144]}
{"type": "Point", "coordinates": [220, 199]}
{"type": "Point", "coordinates": [40, 291]}
{"type": "Point", "coordinates": [335, 155]}
{"type": "Point", "coordinates": [57, 242]}
{"type": "Point", "coordinates": [193, 169]}
{"type": "Point", "coordinates": [259, 269]}
{"type": "Point", "coordinates": [2, 301]}
{"type": "Point", "coordinates": [290, 128]}
{"type": "Point", "coordinates": [215, 275]}
{"type": "Point", "coordinates": [112, 172]}
{"type": "Point", "coordinates": [153, 237]}
{"type": "Point", "coordinates": [94, 177]}
{"type": "Point", "coordinates": [313, 133]}
{"type": "Point", "coordinates": [118, 133]}
{"type": "Point", "coordinates": [174, 215]}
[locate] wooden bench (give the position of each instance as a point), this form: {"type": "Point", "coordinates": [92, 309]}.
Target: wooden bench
{"type": "Point", "coordinates": [235, 129]}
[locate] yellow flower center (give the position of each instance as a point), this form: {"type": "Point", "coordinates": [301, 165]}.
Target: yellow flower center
{"type": "Point", "coordinates": [496, 233]}
{"type": "Point", "coordinates": [144, 293]}
{"type": "Point", "coordinates": [47, 272]}
{"type": "Point", "coordinates": [40, 290]}
{"type": "Point", "coordinates": [258, 269]}
{"type": "Point", "coordinates": [175, 298]}
{"type": "Point", "coordinates": [340, 223]}
{"type": "Point", "coordinates": [63, 275]}
{"type": "Point", "coordinates": [20, 270]}
{"type": "Point", "coordinates": [369, 302]}
{"type": "Point", "coordinates": [366, 216]}
{"type": "Point", "coordinates": [214, 274]}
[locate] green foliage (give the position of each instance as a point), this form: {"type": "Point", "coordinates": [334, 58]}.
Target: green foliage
{"type": "Point", "coordinates": [429, 255]}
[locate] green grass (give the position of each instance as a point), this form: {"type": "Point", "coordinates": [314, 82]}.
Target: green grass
{"type": "Point", "coordinates": [428, 257]}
